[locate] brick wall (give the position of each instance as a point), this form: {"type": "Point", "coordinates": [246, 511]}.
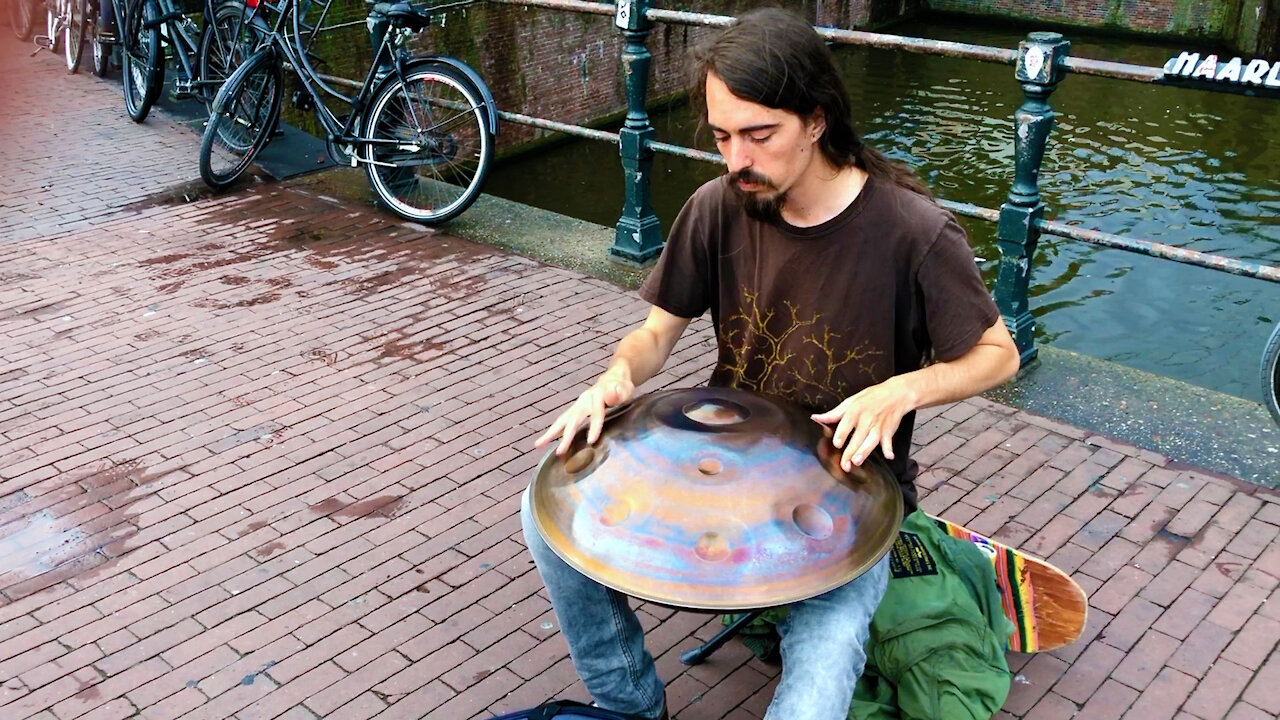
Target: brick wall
{"type": "Point", "coordinates": [565, 66]}
{"type": "Point", "coordinates": [1232, 22]}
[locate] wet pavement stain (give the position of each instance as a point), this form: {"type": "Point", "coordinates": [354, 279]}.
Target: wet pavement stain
{"type": "Point", "coordinates": [266, 550]}
{"type": "Point", "coordinates": [408, 349]}
{"type": "Point", "coordinates": [320, 264]}
{"type": "Point", "coordinates": [165, 259]}
{"type": "Point", "coordinates": [1232, 570]}
{"type": "Point", "coordinates": [68, 526]}
{"type": "Point", "coordinates": [381, 505]}
{"type": "Point", "coordinates": [252, 527]}
{"type": "Point", "coordinates": [325, 507]}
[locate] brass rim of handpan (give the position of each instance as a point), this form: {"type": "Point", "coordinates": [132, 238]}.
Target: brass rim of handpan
{"type": "Point", "coordinates": [714, 499]}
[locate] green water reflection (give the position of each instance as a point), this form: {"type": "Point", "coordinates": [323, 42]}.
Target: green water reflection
{"type": "Point", "coordinates": [1193, 169]}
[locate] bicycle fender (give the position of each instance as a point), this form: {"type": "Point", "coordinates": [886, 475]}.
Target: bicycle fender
{"type": "Point", "coordinates": [491, 108]}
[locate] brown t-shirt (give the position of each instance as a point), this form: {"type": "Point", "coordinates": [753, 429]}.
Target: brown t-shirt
{"type": "Point", "coordinates": [817, 314]}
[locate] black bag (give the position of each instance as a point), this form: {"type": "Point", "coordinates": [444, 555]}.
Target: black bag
{"type": "Point", "coordinates": [565, 710]}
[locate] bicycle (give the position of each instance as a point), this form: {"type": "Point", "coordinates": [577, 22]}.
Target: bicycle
{"type": "Point", "coordinates": [102, 34]}
{"type": "Point", "coordinates": [1270, 374]}
{"type": "Point", "coordinates": [205, 54]}
{"type": "Point", "coordinates": [22, 17]}
{"type": "Point", "coordinates": [80, 26]}
{"type": "Point", "coordinates": [427, 124]}
{"type": "Point", "coordinates": [55, 18]}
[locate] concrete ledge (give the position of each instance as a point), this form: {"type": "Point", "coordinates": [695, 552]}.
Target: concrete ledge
{"type": "Point", "coordinates": [546, 236]}
{"type": "Point", "coordinates": [1181, 421]}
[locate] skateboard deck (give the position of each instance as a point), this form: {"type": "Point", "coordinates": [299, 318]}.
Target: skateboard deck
{"type": "Point", "coordinates": [1048, 609]}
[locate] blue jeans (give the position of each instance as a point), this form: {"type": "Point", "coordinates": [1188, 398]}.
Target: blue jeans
{"type": "Point", "coordinates": [822, 640]}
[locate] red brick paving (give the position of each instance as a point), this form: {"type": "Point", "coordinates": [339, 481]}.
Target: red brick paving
{"type": "Point", "coordinates": [261, 456]}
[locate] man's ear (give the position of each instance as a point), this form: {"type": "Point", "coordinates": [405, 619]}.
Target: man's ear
{"type": "Point", "coordinates": [817, 124]}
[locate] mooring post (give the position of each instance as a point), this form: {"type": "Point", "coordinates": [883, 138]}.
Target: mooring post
{"type": "Point", "coordinates": [638, 237]}
{"type": "Point", "coordinates": [1040, 69]}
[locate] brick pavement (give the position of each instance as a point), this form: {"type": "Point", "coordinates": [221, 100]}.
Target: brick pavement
{"type": "Point", "coordinates": [261, 456]}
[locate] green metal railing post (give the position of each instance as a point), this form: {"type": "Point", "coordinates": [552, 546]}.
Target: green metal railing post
{"type": "Point", "coordinates": [638, 237]}
{"type": "Point", "coordinates": [1040, 68]}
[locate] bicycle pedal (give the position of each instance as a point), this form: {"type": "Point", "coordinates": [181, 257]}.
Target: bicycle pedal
{"type": "Point", "coordinates": [42, 42]}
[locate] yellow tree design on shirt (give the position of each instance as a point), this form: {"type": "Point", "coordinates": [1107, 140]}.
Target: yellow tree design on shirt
{"type": "Point", "coordinates": [757, 331]}
{"type": "Point", "coordinates": [789, 355]}
{"type": "Point", "coordinates": [820, 369]}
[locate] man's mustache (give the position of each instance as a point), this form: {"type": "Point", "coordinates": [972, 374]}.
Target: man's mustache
{"type": "Point", "coordinates": [747, 175]}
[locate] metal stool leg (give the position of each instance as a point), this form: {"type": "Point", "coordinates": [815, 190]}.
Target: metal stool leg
{"type": "Point", "coordinates": [699, 654]}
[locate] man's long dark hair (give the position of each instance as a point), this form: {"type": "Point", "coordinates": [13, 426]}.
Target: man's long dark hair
{"type": "Point", "coordinates": [774, 58]}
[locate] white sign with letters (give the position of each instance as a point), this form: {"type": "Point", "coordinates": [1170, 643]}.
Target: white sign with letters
{"type": "Point", "coordinates": [1256, 72]}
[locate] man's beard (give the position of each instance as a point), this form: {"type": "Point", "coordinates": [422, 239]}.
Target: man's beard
{"type": "Point", "coordinates": [762, 205]}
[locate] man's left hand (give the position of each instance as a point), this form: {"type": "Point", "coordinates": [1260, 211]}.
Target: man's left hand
{"type": "Point", "coordinates": [872, 416]}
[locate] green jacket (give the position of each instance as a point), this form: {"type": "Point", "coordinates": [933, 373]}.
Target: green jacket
{"type": "Point", "coordinates": [937, 649]}
{"type": "Point", "coordinates": [938, 638]}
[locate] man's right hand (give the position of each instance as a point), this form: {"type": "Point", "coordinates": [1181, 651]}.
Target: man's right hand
{"type": "Point", "coordinates": [612, 389]}
{"type": "Point", "coordinates": [639, 356]}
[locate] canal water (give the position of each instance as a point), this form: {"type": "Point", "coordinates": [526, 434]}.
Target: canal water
{"type": "Point", "coordinates": [1194, 169]}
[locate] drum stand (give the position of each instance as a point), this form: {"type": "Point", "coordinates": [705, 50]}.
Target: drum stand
{"type": "Point", "coordinates": [699, 654]}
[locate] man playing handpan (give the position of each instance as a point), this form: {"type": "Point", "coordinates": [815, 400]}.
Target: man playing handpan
{"type": "Point", "coordinates": [834, 282]}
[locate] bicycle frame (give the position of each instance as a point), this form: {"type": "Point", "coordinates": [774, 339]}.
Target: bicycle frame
{"type": "Point", "coordinates": [424, 163]}
{"type": "Point", "coordinates": [178, 32]}
{"type": "Point", "coordinates": [175, 29]}
{"type": "Point", "coordinates": [389, 56]}
{"type": "Point", "coordinates": [287, 40]}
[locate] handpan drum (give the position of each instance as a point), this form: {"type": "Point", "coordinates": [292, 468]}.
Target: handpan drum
{"type": "Point", "coordinates": [714, 499]}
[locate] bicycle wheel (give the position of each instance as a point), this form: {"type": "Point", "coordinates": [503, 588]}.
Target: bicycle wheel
{"type": "Point", "coordinates": [52, 24]}
{"type": "Point", "coordinates": [22, 17]}
{"type": "Point", "coordinates": [1270, 374]}
{"type": "Point", "coordinates": [99, 26]}
{"type": "Point", "coordinates": [443, 145]}
{"type": "Point", "coordinates": [143, 69]}
{"type": "Point", "coordinates": [224, 44]}
{"type": "Point", "coordinates": [101, 49]}
{"type": "Point", "coordinates": [73, 34]}
{"type": "Point", "coordinates": [244, 112]}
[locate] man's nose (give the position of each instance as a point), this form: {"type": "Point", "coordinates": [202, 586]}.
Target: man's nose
{"type": "Point", "coordinates": [736, 156]}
